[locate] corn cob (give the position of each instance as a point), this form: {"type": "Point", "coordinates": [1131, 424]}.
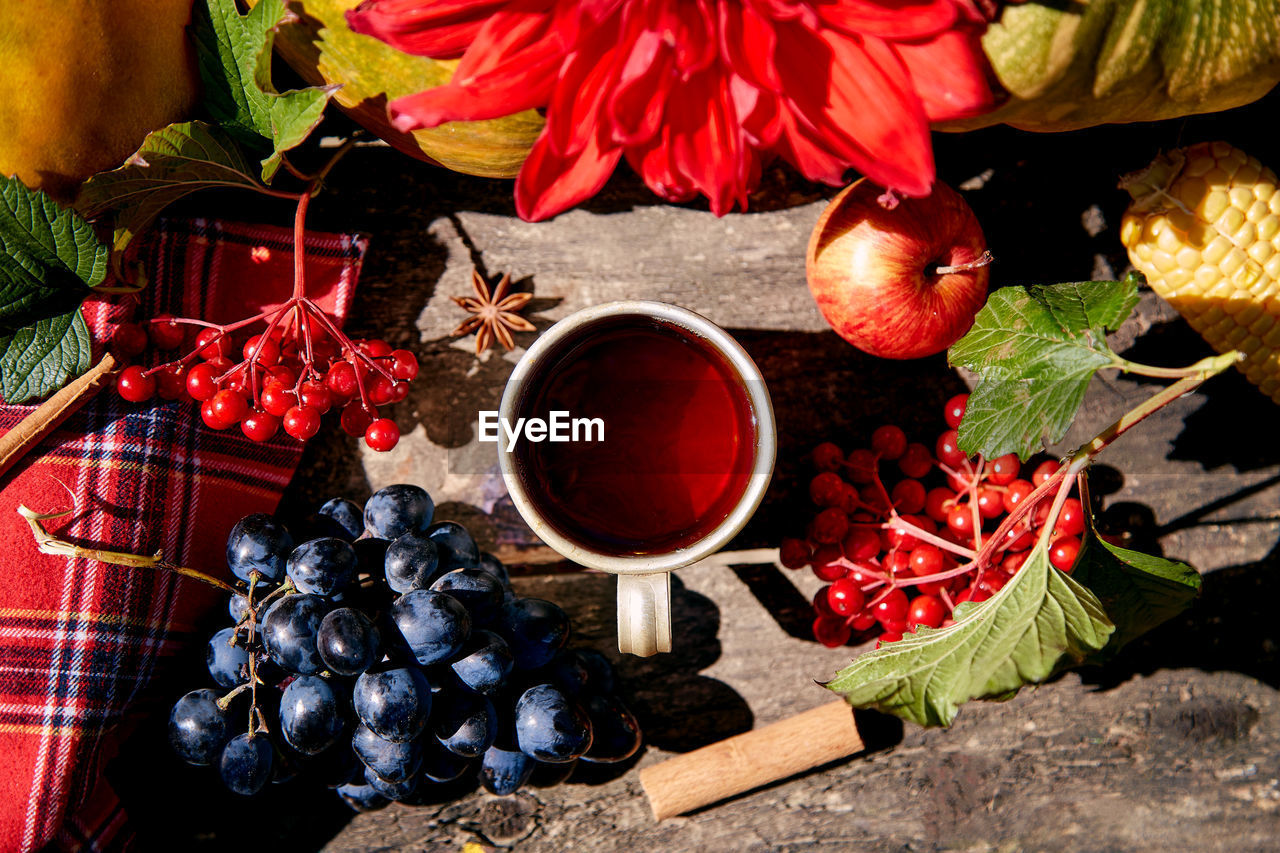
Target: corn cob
{"type": "Point", "coordinates": [1204, 228]}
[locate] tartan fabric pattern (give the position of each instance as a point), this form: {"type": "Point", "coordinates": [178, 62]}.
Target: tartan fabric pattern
{"type": "Point", "coordinates": [80, 639]}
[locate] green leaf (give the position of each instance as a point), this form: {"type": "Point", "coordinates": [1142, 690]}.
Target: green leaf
{"type": "Point", "coordinates": [1041, 621]}
{"type": "Point", "coordinates": [49, 256]}
{"type": "Point", "coordinates": [234, 55]}
{"type": "Point", "coordinates": [172, 162]}
{"type": "Point", "coordinates": [41, 358]}
{"type": "Point", "coordinates": [1139, 591]}
{"type": "Point", "coordinates": [1035, 350]}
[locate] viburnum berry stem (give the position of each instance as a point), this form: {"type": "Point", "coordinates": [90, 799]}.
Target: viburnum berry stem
{"type": "Point", "coordinates": [47, 543]}
{"type": "Point", "coordinates": [897, 522]}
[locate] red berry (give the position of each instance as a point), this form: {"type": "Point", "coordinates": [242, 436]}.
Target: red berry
{"type": "Point", "coordinates": [937, 503]}
{"type": "Point", "coordinates": [382, 390]}
{"type": "Point", "coordinates": [220, 365]}
{"type": "Point", "coordinates": [355, 420]}
{"type": "Point", "coordinates": [1044, 471]}
{"type": "Point", "coordinates": [873, 498]}
{"type": "Point", "coordinates": [1012, 562]}
{"type": "Point", "coordinates": [134, 385]}
{"type": "Point", "coordinates": [1003, 470]}
{"type": "Point", "coordinates": [1070, 518]}
{"type": "Point", "coordinates": [830, 632]}
{"type": "Point", "coordinates": [200, 381]}
{"type": "Point", "coordinates": [277, 399]}
{"type": "Point", "coordinates": [404, 365]}
{"type": "Point", "coordinates": [861, 543]}
{"type": "Point", "coordinates": [375, 348]}
{"type": "Point", "coordinates": [888, 637]}
{"type": "Point", "coordinates": [229, 407]}
{"type": "Point", "coordinates": [889, 442]}
{"type": "Point", "coordinates": [974, 594]}
{"type": "Point", "coordinates": [212, 343]}
{"type": "Point", "coordinates": [953, 410]}
{"type": "Point", "coordinates": [1018, 539]}
{"type": "Point", "coordinates": [1015, 492]}
{"type": "Point", "coordinates": [301, 422]}
{"type": "Point", "coordinates": [210, 417]}
{"type": "Point", "coordinates": [341, 380]}
{"type": "Point", "coordinates": [960, 519]}
{"type": "Point", "coordinates": [861, 465]}
{"type": "Point", "coordinates": [260, 426]}
{"type": "Point", "coordinates": [129, 339]}
{"type": "Point", "coordinates": [826, 489]}
{"type": "Point", "coordinates": [827, 457]}
{"type": "Point", "coordinates": [794, 553]}
{"type": "Point", "coordinates": [280, 375]}
{"type": "Point", "coordinates": [399, 391]}
{"type": "Point", "coordinates": [925, 560]}
{"type": "Point", "coordinates": [1063, 552]}
{"type": "Point", "coordinates": [948, 450]}
{"type": "Point", "coordinates": [990, 503]}
{"type": "Point", "coordinates": [171, 383]}
{"type": "Point", "coordinates": [904, 540]}
{"type": "Point", "coordinates": [916, 461]}
{"type": "Point", "coordinates": [908, 496]}
{"type": "Point", "coordinates": [897, 563]}
{"type": "Point", "coordinates": [829, 526]}
{"type": "Point", "coordinates": [382, 435]}
{"type": "Point", "coordinates": [324, 351]}
{"type": "Point", "coordinates": [317, 395]}
{"type": "Point", "coordinates": [821, 605]}
{"type": "Point", "coordinates": [892, 607]}
{"type": "Point", "coordinates": [894, 627]}
{"type": "Point", "coordinates": [850, 502]}
{"type": "Point", "coordinates": [864, 621]}
{"type": "Point", "coordinates": [824, 563]}
{"type": "Point", "coordinates": [926, 610]}
{"type": "Point", "coordinates": [165, 333]}
{"type": "Point", "coordinates": [845, 597]}
{"type": "Point", "coordinates": [268, 351]}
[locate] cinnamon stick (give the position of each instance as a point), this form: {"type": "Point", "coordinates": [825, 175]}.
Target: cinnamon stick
{"type": "Point", "coordinates": [15, 443]}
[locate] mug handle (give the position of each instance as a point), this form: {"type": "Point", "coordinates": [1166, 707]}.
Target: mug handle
{"type": "Point", "coordinates": [644, 613]}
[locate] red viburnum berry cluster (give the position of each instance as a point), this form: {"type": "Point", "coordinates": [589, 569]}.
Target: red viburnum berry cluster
{"type": "Point", "coordinates": [299, 366]}
{"type": "Point", "coordinates": [904, 533]}
{"type": "Point", "coordinates": [284, 378]}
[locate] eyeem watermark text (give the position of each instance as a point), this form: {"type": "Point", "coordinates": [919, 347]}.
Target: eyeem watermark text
{"type": "Point", "coordinates": [558, 426]}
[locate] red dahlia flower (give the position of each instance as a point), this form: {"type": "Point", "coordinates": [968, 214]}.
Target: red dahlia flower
{"type": "Point", "coordinates": [697, 93]}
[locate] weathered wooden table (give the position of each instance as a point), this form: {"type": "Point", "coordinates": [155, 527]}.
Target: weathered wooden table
{"type": "Point", "coordinates": [1172, 746]}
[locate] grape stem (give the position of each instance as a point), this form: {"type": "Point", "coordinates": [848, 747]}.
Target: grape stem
{"type": "Point", "coordinates": [47, 543]}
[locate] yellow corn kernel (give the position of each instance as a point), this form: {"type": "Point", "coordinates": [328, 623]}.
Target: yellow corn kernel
{"type": "Point", "coordinates": [1204, 228]}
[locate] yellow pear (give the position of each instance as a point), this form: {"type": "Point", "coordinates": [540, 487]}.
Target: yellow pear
{"type": "Point", "coordinates": [84, 81]}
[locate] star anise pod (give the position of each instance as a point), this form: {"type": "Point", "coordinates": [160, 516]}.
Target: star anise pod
{"type": "Point", "coordinates": [494, 313]}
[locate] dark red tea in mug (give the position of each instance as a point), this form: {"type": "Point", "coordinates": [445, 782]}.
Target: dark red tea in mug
{"type": "Point", "coordinates": [678, 446]}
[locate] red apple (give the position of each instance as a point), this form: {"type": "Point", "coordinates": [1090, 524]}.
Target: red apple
{"type": "Point", "coordinates": [874, 270]}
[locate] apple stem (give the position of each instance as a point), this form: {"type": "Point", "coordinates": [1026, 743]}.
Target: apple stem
{"type": "Point", "coordinates": [983, 260]}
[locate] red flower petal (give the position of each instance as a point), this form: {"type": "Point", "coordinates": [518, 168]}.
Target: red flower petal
{"type": "Point", "coordinates": [653, 162]}
{"type": "Point", "coordinates": [550, 182]}
{"type": "Point", "coordinates": [644, 82]}
{"type": "Point", "coordinates": [511, 66]}
{"type": "Point", "coordinates": [889, 19]}
{"type": "Point", "coordinates": [442, 29]}
{"type": "Point", "coordinates": [747, 44]}
{"type": "Point", "coordinates": [854, 96]}
{"type": "Point", "coordinates": [950, 74]}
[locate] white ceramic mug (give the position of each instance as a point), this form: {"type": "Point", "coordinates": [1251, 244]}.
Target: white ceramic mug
{"type": "Point", "coordinates": [644, 580]}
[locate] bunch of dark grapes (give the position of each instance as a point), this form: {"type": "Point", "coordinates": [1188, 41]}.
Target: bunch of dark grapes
{"type": "Point", "coordinates": [387, 656]}
{"type": "Point", "coordinates": [284, 378]}
{"type": "Point", "coordinates": [905, 533]}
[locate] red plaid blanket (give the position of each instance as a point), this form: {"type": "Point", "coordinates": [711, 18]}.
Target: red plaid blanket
{"type": "Point", "coordinates": [79, 639]}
